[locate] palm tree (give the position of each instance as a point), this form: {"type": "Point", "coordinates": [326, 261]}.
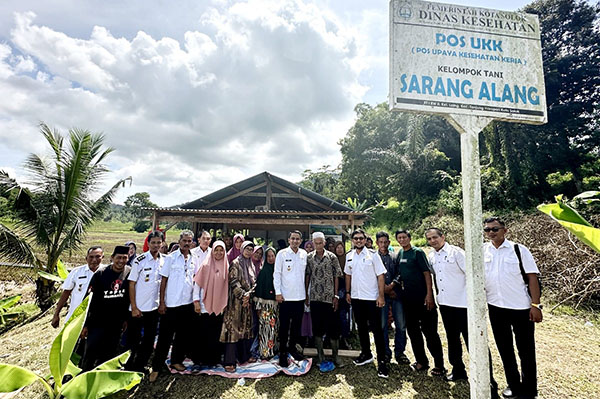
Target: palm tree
{"type": "Point", "coordinates": [55, 209]}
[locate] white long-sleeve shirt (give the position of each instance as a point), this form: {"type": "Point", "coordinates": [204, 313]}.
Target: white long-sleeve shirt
{"type": "Point", "coordinates": [289, 274]}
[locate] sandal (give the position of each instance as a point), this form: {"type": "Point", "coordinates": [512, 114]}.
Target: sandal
{"type": "Point", "coordinates": [230, 369]}
{"type": "Point", "coordinates": [178, 367]}
{"type": "Point", "coordinates": [438, 371]}
{"type": "Point", "coordinates": [416, 366]}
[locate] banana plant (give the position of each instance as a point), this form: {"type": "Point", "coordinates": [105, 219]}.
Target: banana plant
{"type": "Point", "coordinates": [571, 220]}
{"type": "Point", "coordinates": [59, 276]}
{"type": "Point", "coordinates": [100, 382]}
{"type": "Point", "coordinates": [6, 304]}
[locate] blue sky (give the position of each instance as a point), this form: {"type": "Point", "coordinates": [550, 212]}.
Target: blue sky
{"type": "Point", "coordinates": [194, 95]}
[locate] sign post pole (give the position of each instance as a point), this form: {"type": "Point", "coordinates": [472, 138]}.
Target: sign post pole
{"type": "Point", "coordinates": [469, 128]}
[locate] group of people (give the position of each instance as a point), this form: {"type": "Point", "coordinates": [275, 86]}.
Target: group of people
{"type": "Point", "coordinates": [232, 302]}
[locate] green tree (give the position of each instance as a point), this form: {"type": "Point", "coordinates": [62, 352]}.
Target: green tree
{"type": "Point", "coordinates": [133, 206]}
{"type": "Point", "coordinates": [55, 209]}
{"type": "Point", "coordinates": [398, 155]}
{"type": "Point", "coordinates": [527, 157]}
{"type": "Point", "coordinates": [324, 181]}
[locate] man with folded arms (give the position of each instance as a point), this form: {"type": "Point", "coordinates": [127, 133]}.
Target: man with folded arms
{"type": "Point", "coordinates": [365, 281]}
{"type": "Point", "coordinates": [144, 285]}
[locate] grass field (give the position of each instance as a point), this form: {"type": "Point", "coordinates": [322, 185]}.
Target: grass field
{"type": "Point", "coordinates": [568, 353]}
{"type": "Point", "coordinates": [109, 234]}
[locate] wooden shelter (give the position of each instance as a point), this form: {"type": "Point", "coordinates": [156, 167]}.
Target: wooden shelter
{"type": "Point", "coordinates": [264, 206]}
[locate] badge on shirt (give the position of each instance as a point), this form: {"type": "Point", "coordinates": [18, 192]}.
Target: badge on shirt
{"type": "Point", "coordinates": [80, 286]}
{"type": "Point", "coordinates": [147, 278]}
{"type": "Point", "coordinates": [289, 268]}
{"type": "Point", "coordinates": [403, 260]}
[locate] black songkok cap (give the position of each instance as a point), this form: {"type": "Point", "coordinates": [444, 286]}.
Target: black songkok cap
{"type": "Point", "coordinates": [121, 250]}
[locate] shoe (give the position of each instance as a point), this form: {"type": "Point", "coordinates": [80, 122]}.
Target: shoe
{"type": "Point", "coordinates": [508, 393]}
{"type": "Point", "coordinates": [402, 359]}
{"type": "Point", "coordinates": [153, 376]}
{"type": "Point", "coordinates": [363, 359]}
{"type": "Point", "coordinates": [455, 377]}
{"type": "Point", "coordinates": [382, 370]}
{"type": "Point", "coordinates": [297, 356]}
{"type": "Point", "coordinates": [283, 360]}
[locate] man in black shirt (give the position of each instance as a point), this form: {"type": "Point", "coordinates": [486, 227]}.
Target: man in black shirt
{"type": "Point", "coordinates": [108, 310]}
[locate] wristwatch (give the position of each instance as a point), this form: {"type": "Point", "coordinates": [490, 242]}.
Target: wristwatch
{"type": "Point", "coordinates": [336, 296]}
{"type": "Point", "coordinates": [538, 305]}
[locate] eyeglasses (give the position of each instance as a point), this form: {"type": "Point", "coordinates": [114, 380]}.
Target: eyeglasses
{"type": "Point", "coordinates": [494, 229]}
{"type": "Point", "coordinates": [358, 238]}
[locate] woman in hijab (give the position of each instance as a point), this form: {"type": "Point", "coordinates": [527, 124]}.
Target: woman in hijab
{"type": "Point", "coordinates": [344, 307]}
{"type": "Point", "coordinates": [257, 259]}
{"type": "Point", "coordinates": [309, 246]}
{"type": "Point", "coordinates": [210, 299]}
{"type": "Point", "coordinates": [235, 251]}
{"type": "Point", "coordinates": [267, 308]}
{"type": "Point", "coordinates": [236, 332]}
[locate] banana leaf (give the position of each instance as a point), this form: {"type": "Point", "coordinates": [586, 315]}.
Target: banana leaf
{"type": "Point", "coordinates": [571, 220]}
{"type": "Point", "coordinates": [65, 341]}
{"type": "Point", "coordinates": [98, 384]}
{"type": "Point", "coordinates": [13, 378]}
{"type": "Point", "coordinates": [9, 302]}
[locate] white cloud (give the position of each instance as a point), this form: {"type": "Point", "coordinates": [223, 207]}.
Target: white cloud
{"type": "Point", "coordinates": [250, 86]}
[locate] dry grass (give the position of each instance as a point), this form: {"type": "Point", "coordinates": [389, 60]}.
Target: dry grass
{"type": "Point", "coordinates": [568, 367]}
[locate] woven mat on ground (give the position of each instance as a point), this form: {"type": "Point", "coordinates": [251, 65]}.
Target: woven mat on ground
{"type": "Point", "coordinates": [260, 369]}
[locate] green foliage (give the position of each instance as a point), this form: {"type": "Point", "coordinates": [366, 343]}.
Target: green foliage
{"type": "Point", "coordinates": [570, 219]}
{"type": "Point", "coordinates": [141, 226]}
{"type": "Point", "coordinates": [324, 181]}
{"type": "Point", "coordinates": [7, 314]}
{"type": "Point", "coordinates": [398, 155]}
{"type": "Point", "coordinates": [133, 207]}
{"type": "Point", "coordinates": [104, 380]}
{"type": "Point", "coordinates": [54, 213]}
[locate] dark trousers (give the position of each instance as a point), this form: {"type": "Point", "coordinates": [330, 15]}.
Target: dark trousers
{"type": "Point", "coordinates": [422, 322]}
{"type": "Point", "coordinates": [456, 324]}
{"type": "Point", "coordinates": [207, 348]}
{"type": "Point", "coordinates": [368, 316]}
{"type": "Point", "coordinates": [237, 351]}
{"type": "Point", "coordinates": [324, 320]}
{"type": "Point", "coordinates": [505, 323]}
{"type": "Point", "coordinates": [177, 322]}
{"type": "Point", "coordinates": [102, 344]}
{"type": "Point", "coordinates": [290, 322]}
{"type": "Point", "coordinates": [141, 347]}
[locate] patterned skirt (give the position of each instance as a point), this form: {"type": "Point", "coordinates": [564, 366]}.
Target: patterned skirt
{"type": "Point", "coordinates": [267, 311]}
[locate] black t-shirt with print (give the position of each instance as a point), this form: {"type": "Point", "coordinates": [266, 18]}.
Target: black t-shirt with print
{"type": "Point", "coordinates": [110, 300]}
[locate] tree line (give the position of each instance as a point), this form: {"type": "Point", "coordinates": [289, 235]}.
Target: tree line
{"type": "Point", "coordinates": [412, 162]}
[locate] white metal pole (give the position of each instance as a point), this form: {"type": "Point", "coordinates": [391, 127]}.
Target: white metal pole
{"type": "Point", "coordinates": [469, 128]}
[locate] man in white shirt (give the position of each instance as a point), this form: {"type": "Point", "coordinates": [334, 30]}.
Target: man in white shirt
{"type": "Point", "coordinates": [288, 281]}
{"type": "Point", "coordinates": [365, 282]}
{"type": "Point", "coordinates": [199, 254]}
{"type": "Point", "coordinates": [514, 306]}
{"type": "Point", "coordinates": [144, 284]}
{"type": "Point", "coordinates": [448, 263]}
{"type": "Point", "coordinates": [175, 306]}
{"type": "Point", "coordinates": [77, 282]}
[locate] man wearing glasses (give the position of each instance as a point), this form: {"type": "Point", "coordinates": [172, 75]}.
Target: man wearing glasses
{"type": "Point", "coordinates": [365, 281]}
{"type": "Point", "coordinates": [514, 306]}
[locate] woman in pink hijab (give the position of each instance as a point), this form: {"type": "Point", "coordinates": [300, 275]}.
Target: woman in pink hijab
{"type": "Point", "coordinates": [235, 251]}
{"type": "Point", "coordinates": [210, 299]}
